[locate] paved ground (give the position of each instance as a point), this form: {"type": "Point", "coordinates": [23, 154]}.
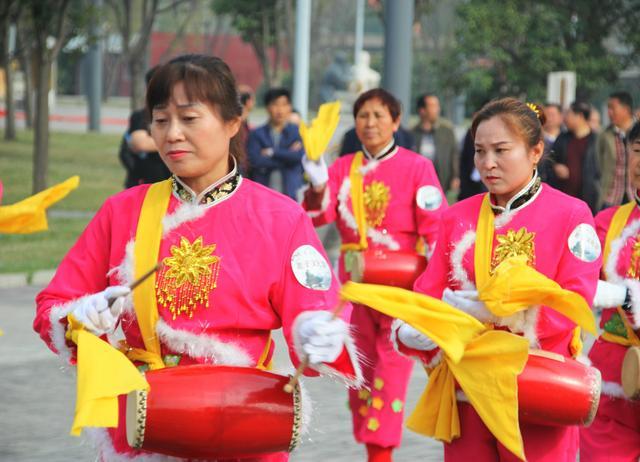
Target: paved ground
{"type": "Point", "coordinates": [37, 401]}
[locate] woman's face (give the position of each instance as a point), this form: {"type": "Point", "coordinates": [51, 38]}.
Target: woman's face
{"type": "Point", "coordinates": [634, 163]}
{"type": "Point", "coordinates": [193, 140]}
{"type": "Point", "coordinates": [374, 125]}
{"type": "Point", "coordinates": [503, 159]}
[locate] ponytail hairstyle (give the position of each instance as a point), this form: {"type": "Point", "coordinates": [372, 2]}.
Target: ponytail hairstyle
{"type": "Point", "coordinates": [524, 119]}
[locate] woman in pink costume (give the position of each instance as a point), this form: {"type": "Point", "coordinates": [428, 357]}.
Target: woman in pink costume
{"type": "Point", "coordinates": [614, 436]}
{"type": "Point", "coordinates": [403, 202]}
{"type": "Point", "coordinates": [556, 234]}
{"type": "Point", "coordinates": [239, 260]}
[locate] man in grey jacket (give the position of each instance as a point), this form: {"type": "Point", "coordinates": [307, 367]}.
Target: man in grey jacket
{"type": "Point", "coordinates": [434, 139]}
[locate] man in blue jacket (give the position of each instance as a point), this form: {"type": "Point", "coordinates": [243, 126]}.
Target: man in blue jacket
{"type": "Point", "coordinates": [277, 145]}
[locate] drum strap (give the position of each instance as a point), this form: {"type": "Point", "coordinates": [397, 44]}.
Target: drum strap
{"type": "Point", "coordinates": [357, 203]}
{"type": "Point", "coordinates": [146, 251]}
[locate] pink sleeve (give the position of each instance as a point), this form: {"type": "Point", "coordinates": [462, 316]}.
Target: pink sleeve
{"type": "Point", "coordinates": [574, 273]}
{"type": "Point", "coordinates": [327, 211]}
{"type": "Point", "coordinates": [436, 277]}
{"type": "Point", "coordinates": [312, 286]}
{"type": "Point", "coordinates": [83, 271]}
{"type": "Point", "coordinates": [431, 203]}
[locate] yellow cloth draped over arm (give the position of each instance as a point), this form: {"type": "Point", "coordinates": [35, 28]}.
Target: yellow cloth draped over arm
{"type": "Point", "coordinates": [103, 374]}
{"type": "Point", "coordinates": [316, 137]}
{"type": "Point", "coordinates": [29, 215]}
{"type": "Point", "coordinates": [484, 363]}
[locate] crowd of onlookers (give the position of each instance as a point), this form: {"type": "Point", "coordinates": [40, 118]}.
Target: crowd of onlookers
{"type": "Point", "coordinates": [581, 158]}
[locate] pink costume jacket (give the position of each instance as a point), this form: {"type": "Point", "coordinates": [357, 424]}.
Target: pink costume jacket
{"type": "Point", "coordinates": [268, 269]}
{"type": "Point", "coordinates": [615, 433]}
{"type": "Point", "coordinates": [561, 243]}
{"type": "Point", "coordinates": [403, 202]}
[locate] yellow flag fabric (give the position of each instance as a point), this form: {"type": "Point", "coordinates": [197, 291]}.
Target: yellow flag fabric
{"type": "Point", "coordinates": [103, 374]}
{"type": "Point", "coordinates": [146, 250]}
{"type": "Point", "coordinates": [516, 286]}
{"type": "Point", "coordinates": [316, 137]}
{"type": "Point", "coordinates": [483, 362]}
{"type": "Point", "coordinates": [29, 215]}
{"type": "Point", "coordinates": [357, 203]}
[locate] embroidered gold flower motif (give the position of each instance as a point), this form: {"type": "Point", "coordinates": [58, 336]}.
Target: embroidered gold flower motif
{"type": "Point", "coordinates": [634, 271]}
{"type": "Point", "coordinates": [187, 277]}
{"type": "Point", "coordinates": [376, 201]}
{"type": "Point", "coordinates": [512, 244]}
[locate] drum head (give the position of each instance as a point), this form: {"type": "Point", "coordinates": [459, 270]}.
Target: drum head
{"type": "Point", "coordinates": [136, 417]}
{"type": "Point", "coordinates": [630, 376]}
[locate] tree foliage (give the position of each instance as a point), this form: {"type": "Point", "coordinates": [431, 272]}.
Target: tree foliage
{"type": "Point", "coordinates": [507, 47]}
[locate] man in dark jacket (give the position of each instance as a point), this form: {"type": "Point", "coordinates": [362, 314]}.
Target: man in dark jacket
{"type": "Point", "coordinates": [574, 155]}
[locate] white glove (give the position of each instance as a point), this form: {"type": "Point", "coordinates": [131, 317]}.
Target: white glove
{"type": "Point", "coordinates": [413, 338]}
{"type": "Point", "coordinates": [322, 337]}
{"type": "Point", "coordinates": [467, 301]}
{"type": "Point", "coordinates": [95, 313]}
{"type": "Point", "coordinates": [609, 295]}
{"type": "Point", "coordinates": [317, 172]}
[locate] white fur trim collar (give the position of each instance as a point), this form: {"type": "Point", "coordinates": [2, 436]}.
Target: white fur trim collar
{"type": "Point", "coordinates": [458, 273]}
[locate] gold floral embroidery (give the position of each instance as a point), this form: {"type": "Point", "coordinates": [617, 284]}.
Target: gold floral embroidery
{"type": "Point", "coordinates": [187, 277]}
{"type": "Point", "coordinates": [512, 244]}
{"type": "Point", "coordinates": [634, 266]}
{"type": "Point", "coordinates": [376, 201]}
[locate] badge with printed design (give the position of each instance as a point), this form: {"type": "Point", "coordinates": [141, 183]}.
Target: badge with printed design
{"type": "Point", "coordinates": [429, 198]}
{"type": "Point", "coordinates": [310, 268]}
{"type": "Point", "coordinates": [584, 243]}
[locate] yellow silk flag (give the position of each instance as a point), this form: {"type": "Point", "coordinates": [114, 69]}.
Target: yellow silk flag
{"type": "Point", "coordinates": [516, 286]}
{"type": "Point", "coordinates": [483, 362]}
{"type": "Point", "coordinates": [316, 137]}
{"type": "Point", "coordinates": [103, 374]}
{"type": "Point", "coordinates": [29, 215]}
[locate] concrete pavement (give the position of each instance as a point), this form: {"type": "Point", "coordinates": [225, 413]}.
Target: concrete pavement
{"type": "Point", "coordinates": [37, 400]}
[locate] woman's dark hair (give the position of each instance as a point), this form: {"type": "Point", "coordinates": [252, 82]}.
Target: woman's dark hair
{"type": "Point", "coordinates": [579, 107]}
{"type": "Point", "coordinates": [207, 79]}
{"type": "Point", "coordinates": [386, 98]}
{"type": "Point", "coordinates": [524, 119]}
{"type": "Point", "coordinates": [634, 134]}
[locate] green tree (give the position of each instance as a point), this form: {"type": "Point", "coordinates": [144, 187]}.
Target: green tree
{"type": "Point", "coordinates": [507, 47]}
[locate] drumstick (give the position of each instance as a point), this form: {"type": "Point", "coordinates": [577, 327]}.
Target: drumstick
{"type": "Point", "coordinates": [304, 362]}
{"type": "Point", "coordinates": [140, 280]}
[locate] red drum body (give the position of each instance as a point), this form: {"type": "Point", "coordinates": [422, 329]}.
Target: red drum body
{"type": "Point", "coordinates": [389, 268]}
{"type": "Point", "coordinates": [554, 390]}
{"type": "Point", "coordinates": [209, 412]}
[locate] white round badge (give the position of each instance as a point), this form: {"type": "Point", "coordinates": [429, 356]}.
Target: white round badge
{"type": "Point", "coordinates": [429, 198]}
{"type": "Point", "coordinates": [310, 268]}
{"type": "Point", "coordinates": [584, 243]}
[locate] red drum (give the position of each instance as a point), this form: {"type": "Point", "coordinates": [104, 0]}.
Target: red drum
{"type": "Point", "coordinates": [389, 268]}
{"type": "Point", "coordinates": [554, 390]}
{"type": "Point", "coordinates": [209, 412]}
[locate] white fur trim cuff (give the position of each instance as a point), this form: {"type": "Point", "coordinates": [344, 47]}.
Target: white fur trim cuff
{"type": "Point", "coordinates": [59, 330]}
{"type": "Point", "coordinates": [203, 345]}
{"type": "Point", "coordinates": [324, 205]}
{"type": "Point", "coordinates": [613, 390]}
{"type": "Point", "coordinates": [326, 370]}
{"type": "Point", "coordinates": [634, 292]}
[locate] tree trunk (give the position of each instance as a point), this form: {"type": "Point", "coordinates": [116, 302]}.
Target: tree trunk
{"type": "Point", "coordinates": [41, 135]}
{"type": "Point", "coordinates": [10, 118]}
{"type": "Point", "coordinates": [137, 83]}
{"type": "Point", "coordinates": [25, 64]}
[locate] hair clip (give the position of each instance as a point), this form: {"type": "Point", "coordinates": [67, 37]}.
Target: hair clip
{"type": "Point", "coordinates": [534, 108]}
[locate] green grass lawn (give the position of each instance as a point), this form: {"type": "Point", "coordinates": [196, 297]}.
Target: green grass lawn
{"type": "Point", "coordinates": [94, 157]}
